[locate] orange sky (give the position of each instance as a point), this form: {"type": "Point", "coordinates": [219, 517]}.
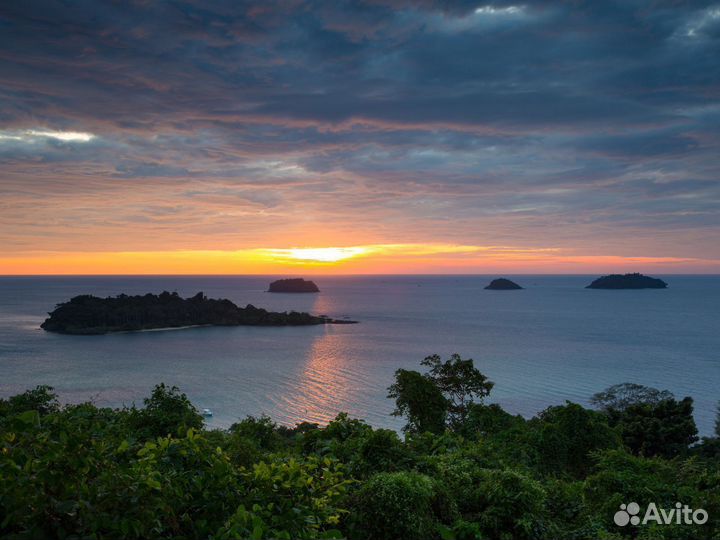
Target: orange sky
{"type": "Point", "coordinates": [364, 259]}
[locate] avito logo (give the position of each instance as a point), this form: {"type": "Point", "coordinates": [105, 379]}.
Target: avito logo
{"type": "Point", "coordinates": [682, 514]}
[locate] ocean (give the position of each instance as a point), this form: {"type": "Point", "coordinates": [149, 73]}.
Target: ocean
{"type": "Point", "coordinates": [552, 342]}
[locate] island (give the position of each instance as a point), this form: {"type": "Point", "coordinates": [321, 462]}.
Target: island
{"type": "Point", "coordinates": [503, 284]}
{"type": "Point", "coordinates": [91, 315]}
{"type": "Point", "coordinates": [627, 281]}
{"type": "Point", "coordinates": [295, 285]}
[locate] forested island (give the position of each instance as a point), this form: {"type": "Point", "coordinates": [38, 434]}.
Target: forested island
{"type": "Point", "coordinates": [463, 469]}
{"type": "Point", "coordinates": [87, 314]}
{"type": "Point", "coordinates": [293, 285]}
{"type": "Point", "coordinates": [503, 284]}
{"type": "Point", "coordinates": [627, 281]}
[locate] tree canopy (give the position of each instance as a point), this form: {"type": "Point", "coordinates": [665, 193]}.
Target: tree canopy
{"type": "Point", "coordinates": [155, 472]}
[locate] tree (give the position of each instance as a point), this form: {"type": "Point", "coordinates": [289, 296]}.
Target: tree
{"type": "Point", "coordinates": [42, 399]}
{"type": "Point", "coordinates": [399, 505]}
{"type": "Point", "coordinates": [621, 396]}
{"type": "Point", "coordinates": [460, 382]}
{"type": "Point", "coordinates": [717, 422]}
{"type": "Point", "coordinates": [566, 435]}
{"type": "Point", "coordinates": [418, 399]}
{"type": "Point", "coordinates": [651, 421]}
{"type": "Point", "coordinates": [167, 412]}
{"type": "Point", "coordinates": [662, 429]}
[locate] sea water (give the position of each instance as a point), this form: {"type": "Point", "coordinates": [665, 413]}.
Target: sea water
{"type": "Point", "coordinates": [551, 342]}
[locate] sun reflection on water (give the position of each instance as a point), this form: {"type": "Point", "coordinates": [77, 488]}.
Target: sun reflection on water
{"type": "Point", "coordinates": [329, 379]}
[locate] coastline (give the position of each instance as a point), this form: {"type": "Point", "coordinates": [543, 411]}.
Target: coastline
{"type": "Point", "coordinates": [162, 329]}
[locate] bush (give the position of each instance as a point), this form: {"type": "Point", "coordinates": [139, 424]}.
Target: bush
{"type": "Point", "coordinates": [289, 499]}
{"type": "Point", "coordinates": [566, 436]}
{"type": "Point", "coordinates": [380, 451]}
{"type": "Point", "coordinates": [666, 428]}
{"type": "Point", "coordinates": [167, 412]}
{"type": "Point", "coordinates": [509, 505]}
{"type": "Point", "coordinates": [408, 505]}
{"type": "Point", "coordinates": [41, 399]}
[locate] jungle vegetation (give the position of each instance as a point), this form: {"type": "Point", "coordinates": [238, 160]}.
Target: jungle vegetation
{"type": "Point", "coordinates": [462, 469]}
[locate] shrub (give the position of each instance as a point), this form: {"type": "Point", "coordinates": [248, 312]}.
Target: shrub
{"type": "Point", "coordinates": [399, 505]}
{"type": "Point", "coordinates": [166, 412]}
{"type": "Point", "coordinates": [289, 499]}
{"type": "Point", "coordinates": [566, 436]}
{"type": "Point", "coordinates": [41, 399]}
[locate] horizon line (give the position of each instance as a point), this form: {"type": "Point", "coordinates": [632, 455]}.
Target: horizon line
{"type": "Point", "coordinates": [359, 274]}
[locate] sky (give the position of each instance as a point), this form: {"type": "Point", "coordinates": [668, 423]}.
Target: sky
{"type": "Point", "coordinates": [376, 136]}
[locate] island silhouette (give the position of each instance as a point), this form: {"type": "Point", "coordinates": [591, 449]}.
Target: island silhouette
{"type": "Point", "coordinates": [627, 281]}
{"type": "Point", "coordinates": [293, 285]}
{"type": "Point", "coordinates": [87, 314]}
{"type": "Point", "coordinates": [502, 284]}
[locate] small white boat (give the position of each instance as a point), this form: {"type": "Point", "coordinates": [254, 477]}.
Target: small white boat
{"type": "Point", "coordinates": [206, 412]}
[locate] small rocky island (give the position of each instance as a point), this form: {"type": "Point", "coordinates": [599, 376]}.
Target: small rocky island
{"type": "Point", "coordinates": [627, 281]}
{"type": "Point", "coordinates": [503, 284]}
{"type": "Point", "coordinates": [295, 285]}
{"type": "Point", "coordinates": [87, 314]}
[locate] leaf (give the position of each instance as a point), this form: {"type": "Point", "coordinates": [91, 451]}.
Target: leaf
{"type": "Point", "coordinates": [29, 418]}
{"type": "Point", "coordinates": [446, 533]}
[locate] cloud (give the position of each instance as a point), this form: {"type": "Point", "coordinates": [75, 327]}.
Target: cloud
{"type": "Point", "coordinates": [225, 125]}
{"type": "Point", "coordinates": [31, 136]}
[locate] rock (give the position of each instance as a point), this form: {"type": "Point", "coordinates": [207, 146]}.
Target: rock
{"type": "Point", "coordinates": [296, 285]}
{"type": "Point", "coordinates": [503, 284]}
{"type": "Point", "coordinates": [627, 281]}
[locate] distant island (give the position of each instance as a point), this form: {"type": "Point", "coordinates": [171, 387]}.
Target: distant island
{"type": "Point", "coordinates": [87, 314]}
{"type": "Point", "coordinates": [295, 285]}
{"type": "Point", "coordinates": [627, 281]}
{"type": "Point", "coordinates": [503, 284]}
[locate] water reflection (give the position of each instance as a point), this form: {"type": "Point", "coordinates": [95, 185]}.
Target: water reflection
{"type": "Point", "coordinates": [328, 381]}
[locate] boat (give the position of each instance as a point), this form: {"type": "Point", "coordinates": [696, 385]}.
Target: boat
{"type": "Point", "coordinates": [207, 412]}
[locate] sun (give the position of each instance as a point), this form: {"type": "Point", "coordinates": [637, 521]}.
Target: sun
{"type": "Point", "coordinates": [321, 255]}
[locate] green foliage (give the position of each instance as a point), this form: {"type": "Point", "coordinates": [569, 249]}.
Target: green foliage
{"type": "Point", "coordinates": [505, 503]}
{"type": "Point", "coordinates": [80, 471]}
{"type": "Point", "coordinates": [443, 397]}
{"type": "Point", "coordinates": [621, 396]}
{"type": "Point", "coordinates": [566, 436]}
{"type": "Point", "coordinates": [399, 505]}
{"type": "Point", "coordinates": [508, 505]}
{"type": "Point", "coordinates": [620, 478]}
{"type": "Point", "coordinates": [289, 499]}
{"type": "Point", "coordinates": [364, 450]}
{"type": "Point", "coordinates": [418, 399]}
{"type": "Point", "coordinates": [167, 412]}
{"type": "Point", "coordinates": [380, 450]}
{"type": "Point", "coordinates": [665, 428]}
{"type": "Point", "coordinates": [651, 421]}
{"type": "Point", "coordinates": [41, 399]}
{"type": "Point", "coordinates": [460, 382]}
{"type": "Point", "coordinates": [263, 432]}
{"type": "Point", "coordinates": [488, 420]}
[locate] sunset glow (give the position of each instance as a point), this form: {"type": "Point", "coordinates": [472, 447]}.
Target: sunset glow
{"type": "Point", "coordinates": [319, 255]}
{"type": "Point", "coordinates": [366, 259]}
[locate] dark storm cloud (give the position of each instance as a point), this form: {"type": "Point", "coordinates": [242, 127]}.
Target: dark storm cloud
{"type": "Point", "coordinates": [484, 108]}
